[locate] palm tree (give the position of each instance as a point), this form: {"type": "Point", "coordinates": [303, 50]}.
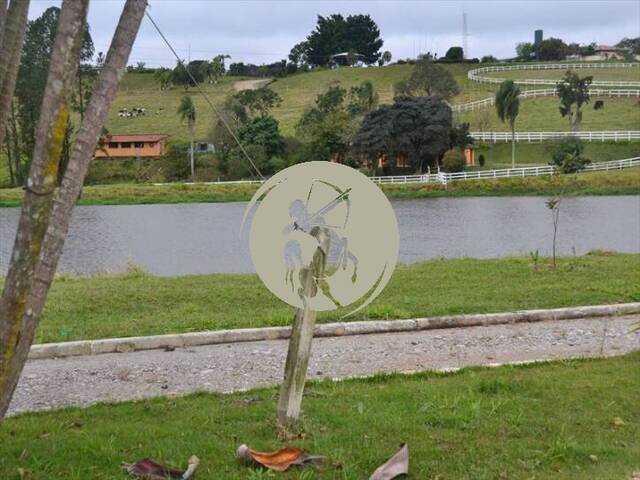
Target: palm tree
{"type": "Point", "coordinates": [187, 112]}
{"type": "Point", "coordinates": [508, 106]}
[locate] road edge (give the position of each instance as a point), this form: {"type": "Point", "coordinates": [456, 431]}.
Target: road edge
{"type": "Point", "coordinates": [338, 329]}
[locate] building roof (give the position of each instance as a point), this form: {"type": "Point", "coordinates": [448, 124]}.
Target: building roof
{"type": "Point", "coordinates": [144, 137]}
{"type": "Point", "coordinates": [601, 48]}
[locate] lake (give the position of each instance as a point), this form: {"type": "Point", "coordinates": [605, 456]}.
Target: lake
{"type": "Point", "coordinates": [204, 238]}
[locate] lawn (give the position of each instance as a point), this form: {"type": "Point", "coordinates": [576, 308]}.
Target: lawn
{"type": "Point", "coordinates": [498, 155]}
{"type": "Point", "coordinates": [139, 304]}
{"type": "Point", "coordinates": [565, 420]}
{"type": "Point", "coordinates": [541, 114]}
{"type": "Point", "coordinates": [623, 182]}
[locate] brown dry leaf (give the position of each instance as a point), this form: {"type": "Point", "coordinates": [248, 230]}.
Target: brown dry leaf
{"type": "Point", "coordinates": [279, 460]}
{"type": "Point", "coordinates": [395, 466]}
{"type": "Point", "coordinates": [150, 470]}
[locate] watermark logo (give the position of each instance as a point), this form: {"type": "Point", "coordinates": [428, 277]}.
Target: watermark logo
{"type": "Point", "coordinates": [323, 236]}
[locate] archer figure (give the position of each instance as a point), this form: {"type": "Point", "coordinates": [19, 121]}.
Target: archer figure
{"type": "Point", "coordinates": [305, 221]}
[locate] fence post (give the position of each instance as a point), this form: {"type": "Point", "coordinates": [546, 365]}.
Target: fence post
{"type": "Point", "coordinates": [295, 370]}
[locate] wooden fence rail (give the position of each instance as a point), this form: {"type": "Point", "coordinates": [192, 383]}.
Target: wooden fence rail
{"type": "Point", "coordinates": [539, 136]}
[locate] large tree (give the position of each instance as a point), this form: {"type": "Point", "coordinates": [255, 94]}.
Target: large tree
{"type": "Point", "coordinates": [258, 101]}
{"type": "Point", "coordinates": [46, 212]}
{"type": "Point", "coordinates": [573, 92]}
{"type": "Point", "coordinates": [336, 34]}
{"type": "Point", "coordinates": [507, 103]}
{"type": "Point", "coordinates": [551, 49]}
{"type": "Point", "coordinates": [428, 78]}
{"type": "Point", "coordinates": [419, 128]}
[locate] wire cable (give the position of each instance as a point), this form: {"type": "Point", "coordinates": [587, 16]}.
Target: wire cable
{"type": "Point", "coordinates": [204, 95]}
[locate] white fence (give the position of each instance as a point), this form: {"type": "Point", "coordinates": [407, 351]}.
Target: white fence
{"type": "Point", "coordinates": [444, 178]}
{"type": "Point", "coordinates": [475, 73]}
{"type": "Point", "coordinates": [539, 136]}
{"type": "Point", "coordinates": [544, 92]}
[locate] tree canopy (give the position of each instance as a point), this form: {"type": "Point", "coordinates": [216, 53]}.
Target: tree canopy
{"type": "Point", "coordinates": [552, 49]}
{"type": "Point", "coordinates": [336, 34]}
{"type": "Point", "coordinates": [259, 100]}
{"type": "Point", "coordinates": [455, 54]}
{"type": "Point", "coordinates": [573, 92]}
{"type": "Point", "coordinates": [428, 78]}
{"type": "Point", "coordinates": [421, 128]}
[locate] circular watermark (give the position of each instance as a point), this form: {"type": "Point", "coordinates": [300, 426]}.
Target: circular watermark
{"type": "Point", "coordinates": [308, 207]}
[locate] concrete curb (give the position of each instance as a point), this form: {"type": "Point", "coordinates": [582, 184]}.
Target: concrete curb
{"type": "Point", "coordinates": [181, 340]}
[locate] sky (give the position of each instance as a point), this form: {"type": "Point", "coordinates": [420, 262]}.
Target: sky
{"type": "Point", "coordinates": [264, 31]}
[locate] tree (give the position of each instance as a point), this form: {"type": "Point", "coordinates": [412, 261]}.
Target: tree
{"type": "Point", "coordinates": [214, 69]}
{"type": "Point", "coordinates": [385, 58]}
{"type": "Point", "coordinates": [328, 126]}
{"type": "Point", "coordinates": [454, 54]}
{"type": "Point", "coordinates": [335, 34]}
{"type": "Point", "coordinates": [32, 77]}
{"type": "Point", "coordinates": [631, 44]}
{"type": "Point", "coordinates": [12, 32]}
{"type": "Point", "coordinates": [163, 77]}
{"type": "Point", "coordinates": [525, 50]}
{"type": "Point", "coordinates": [508, 106]}
{"type": "Point", "coordinates": [298, 54]}
{"type": "Point", "coordinates": [263, 131]}
{"type": "Point", "coordinates": [488, 59]}
{"type": "Point", "coordinates": [567, 155]}
{"type": "Point", "coordinates": [416, 127]}
{"type": "Point", "coordinates": [259, 100]}
{"type": "Point", "coordinates": [453, 161]}
{"type": "Point", "coordinates": [187, 113]}
{"type": "Point", "coordinates": [551, 49]}
{"type": "Point", "coordinates": [573, 92]}
{"type": "Point", "coordinates": [430, 78]}
{"type": "Point", "coordinates": [46, 213]}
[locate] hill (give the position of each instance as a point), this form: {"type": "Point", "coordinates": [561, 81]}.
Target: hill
{"type": "Point", "coordinates": [299, 91]}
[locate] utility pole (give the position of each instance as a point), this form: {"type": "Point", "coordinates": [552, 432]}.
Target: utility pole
{"type": "Point", "coordinates": [465, 35]}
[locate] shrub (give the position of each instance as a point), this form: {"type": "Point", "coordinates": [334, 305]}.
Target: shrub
{"type": "Point", "coordinates": [567, 155]}
{"type": "Point", "coordinates": [481, 160]}
{"type": "Point", "coordinates": [453, 161]}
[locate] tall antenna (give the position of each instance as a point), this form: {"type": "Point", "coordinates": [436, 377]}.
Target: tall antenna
{"type": "Point", "coordinates": [465, 35]}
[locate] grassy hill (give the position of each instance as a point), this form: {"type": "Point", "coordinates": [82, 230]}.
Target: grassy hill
{"type": "Point", "coordinates": [299, 91]}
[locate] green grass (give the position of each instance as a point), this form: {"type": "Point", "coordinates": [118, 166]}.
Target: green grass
{"type": "Point", "coordinates": [141, 304]}
{"type": "Point", "coordinates": [618, 74]}
{"type": "Point", "coordinates": [498, 155]}
{"type": "Point", "coordinates": [542, 114]}
{"type": "Point", "coordinates": [623, 182]}
{"type": "Point", "coordinates": [565, 420]}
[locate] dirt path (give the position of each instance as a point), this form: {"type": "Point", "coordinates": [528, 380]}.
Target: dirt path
{"type": "Point", "coordinates": [251, 84]}
{"type": "Point", "coordinates": [81, 381]}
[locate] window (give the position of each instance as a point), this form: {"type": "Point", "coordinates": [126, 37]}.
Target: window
{"type": "Point", "coordinates": [126, 144]}
{"type": "Point", "coordinates": [138, 144]}
{"type": "Point", "coordinates": [113, 144]}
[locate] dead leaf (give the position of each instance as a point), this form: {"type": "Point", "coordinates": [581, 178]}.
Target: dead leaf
{"type": "Point", "coordinates": [279, 461]}
{"type": "Point", "coordinates": [150, 470]}
{"type": "Point", "coordinates": [395, 466]}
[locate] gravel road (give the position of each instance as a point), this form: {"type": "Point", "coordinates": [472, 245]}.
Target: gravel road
{"type": "Point", "coordinates": [81, 381]}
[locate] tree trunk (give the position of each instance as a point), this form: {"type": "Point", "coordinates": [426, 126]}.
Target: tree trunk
{"type": "Point", "coordinates": [17, 320]}
{"type": "Point", "coordinates": [15, 145]}
{"type": "Point", "coordinates": [81, 155]}
{"type": "Point", "coordinates": [513, 144]}
{"type": "Point", "coordinates": [193, 166]}
{"type": "Point", "coordinates": [12, 181]}
{"type": "Point", "coordinates": [15, 24]}
{"type": "Point", "coordinates": [576, 120]}
{"type": "Point", "coordinates": [3, 17]}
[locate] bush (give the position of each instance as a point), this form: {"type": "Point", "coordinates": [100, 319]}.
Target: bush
{"type": "Point", "coordinates": [453, 161]}
{"type": "Point", "coordinates": [567, 155]}
{"type": "Point", "coordinates": [481, 160]}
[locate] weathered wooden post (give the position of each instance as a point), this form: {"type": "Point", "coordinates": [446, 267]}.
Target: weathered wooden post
{"type": "Point", "coordinates": [295, 370]}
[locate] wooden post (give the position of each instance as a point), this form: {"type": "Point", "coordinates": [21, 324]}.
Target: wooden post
{"type": "Point", "coordinates": [295, 370]}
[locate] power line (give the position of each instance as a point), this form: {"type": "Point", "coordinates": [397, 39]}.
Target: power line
{"type": "Point", "coordinates": [204, 95]}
